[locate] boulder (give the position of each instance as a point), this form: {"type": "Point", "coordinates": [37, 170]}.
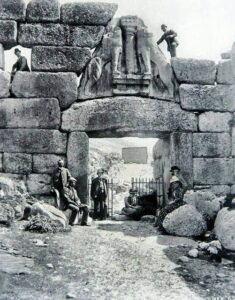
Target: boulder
{"type": "Point", "coordinates": [85, 36]}
{"type": "Point", "coordinates": [7, 214]}
{"type": "Point", "coordinates": [39, 184]}
{"type": "Point", "coordinates": [29, 113]}
{"type": "Point", "coordinates": [2, 64]}
{"type": "Point", "coordinates": [148, 218]}
{"type": "Point", "coordinates": [225, 72]}
{"type": "Point", "coordinates": [4, 84]}
{"type": "Point", "coordinates": [185, 221]}
{"type": "Point", "coordinates": [12, 10]}
{"type": "Point", "coordinates": [46, 163]}
{"type": "Point", "coordinates": [11, 184]}
{"type": "Point", "coordinates": [98, 13]}
{"type": "Point", "coordinates": [214, 171]}
{"type": "Point", "coordinates": [43, 11]}
{"type": "Point", "coordinates": [60, 59]}
{"type": "Point", "coordinates": [18, 163]}
{"type": "Point", "coordinates": [62, 86]}
{"type": "Point", "coordinates": [225, 228]}
{"type": "Point", "coordinates": [128, 114]}
{"type": "Point", "coordinates": [8, 34]}
{"type": "Point", "coordinates": [33, 141]}
{"type": "Point", "coordinates": [194, 70]}
{"type": "Point", "coordinates": [233, 141]}
{"type": "Point", "coordinates": [215, 121]}
{"type": "Point", "coordinates": [193, 253]}
{"type": "Point", "coordinates": [207, 97]}
{"type": "Point", "coordinates": [205, 202]}
{"type": "Point", "coordinates": [211, 145]}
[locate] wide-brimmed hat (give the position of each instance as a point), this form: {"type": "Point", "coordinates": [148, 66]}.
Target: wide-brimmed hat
{"type": "Point", "coordinates": [17, 50]}
{"type": "Point", "coordinates": [173, 168]}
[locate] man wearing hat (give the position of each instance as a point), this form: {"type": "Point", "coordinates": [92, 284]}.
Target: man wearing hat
{"type": "Point", "coordinates": [99, 193]}
{"type": "Point", "coordinates": [170, 37]}
{"type": "Point", "coordinates": [73, 203]}
{"type": "Point", "coordinates": [20, 65]}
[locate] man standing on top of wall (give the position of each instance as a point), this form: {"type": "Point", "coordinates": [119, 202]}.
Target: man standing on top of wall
{"type": "Point", "coordinates": [20, 65]}
{"type": "Point", "coordinates": [170, 37]}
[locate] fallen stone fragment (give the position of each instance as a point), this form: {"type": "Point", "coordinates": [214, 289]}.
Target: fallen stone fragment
{"type": "Point", "coordinates": [221, 275]}
{"type": "Point", "coordinates": [50, 266]}
{"type": "Point", "coordinates": [70, 296]}
{"type": "Point", "coordinates": [193, 253]}
{"type": "Point", "coordinates": [11, 264]}
{"type": "Point", "coordinates": [203, 246]}
{"type": "Point", "coordinates": [212, 250]}
{"type": "Point", "coordinates": [216, 244]}
{"type": "Point", "coordinates": [39, 243]}
{"type": "Point", "coordinates": [184, 259]}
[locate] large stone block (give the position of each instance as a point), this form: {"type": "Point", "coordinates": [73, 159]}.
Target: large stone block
{"type": "Point", "coordinates": [233, 141]}
{"type": "Point", "coordinates": [42, 34]}
{"type": "Point", "coordinates": [88, 13]}
{"type": "Point", "coordinates": [29, 113]}
{"type": "Point", "coordinates": [2, 58]}
{"type": "Point", "coordinates": [33, 141]}
{"type": "Point", "coordinates": [12, 10]}
{"type": "Point", "coordinates": [86, 36]}
{"type": "Point", "coordinates": [4, 85]}
{"type": "Point", "coordinates": [18, 163]}
{"type": "Point", "coordinates": [1, 155]}
{"type": "Point", "coordinates": [215, 121]}
{"type": "Point", "coordinates": [220, 190]}
{"type": "Point", "coordinates": [182, 154]}
{"type": "Point", "coordinates": [233, 189]}
{"type": "Point", "coordinates": [60, 59]}
{"type": "Point", "coordinates": [8, 34]}
{"type": "Point", "coordinates": [211, 145]}
{"type": "Point", "coordinates": [43, 11]}
{"type": "Point", "coordinates": [225, 72]}
{"type": "Point", "coordinates": [207, 97]}
{"type": "Point", "coordinates": [214, 171]}
{"type": "Point", "coordinates": [123, 114]}
{"type": "Point", "coordinates": [194, 70]}
{"type": "Point", "coordinates": [39, 184]}
{"type": "Point", "coordinates": [59, 85]}
{"type": "Point", "coordinates": [46, 163]}
{"type": "Point", "coordinates": [78, 161]}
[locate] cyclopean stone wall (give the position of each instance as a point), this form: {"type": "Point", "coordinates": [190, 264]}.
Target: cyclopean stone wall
{"type": "Point", "coordinates": [190, 104]}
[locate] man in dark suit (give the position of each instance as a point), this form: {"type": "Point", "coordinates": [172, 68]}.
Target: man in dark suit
{"type": "Point", "coordinates": [99, 193]}
{"type": "Point", "coordinates": [20, 65]}
{"type": "Point", "coordinates": [170, 37]}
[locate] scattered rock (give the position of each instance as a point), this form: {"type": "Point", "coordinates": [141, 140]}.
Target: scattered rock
{"type": "Point", "coordinates": [216, 244]}
{"type": "Point", "coordinates": [39, 243]}
{"type": "Point", "coordinates": [212, 250]}
{"type": "Point", "coordinates": [203, 246]}
{"type": "Point", "coordinates": [50, 266]}
{"type": "Point", "coordinates": [70, 296]}
{"type": "Point", "coordinates": [118, 217]}
{"type": "Point", "coordinates": [148, 218]}
{"type": "Point", "coordinates": [184, 259]}
{"type": "Point", "coordinates": [7, 214]}
{"type": "Point", "coordinates": [221, 275]}
{"type": "Point", "coordinates": [12, 264]}
{"type": "Point", "coordinates": [193, 253]}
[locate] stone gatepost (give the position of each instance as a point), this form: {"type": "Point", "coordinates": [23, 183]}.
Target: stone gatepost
{"type": "Point", "coordinates": [2, 58]}
{"type": "Point", "coordinates": [77, 158]}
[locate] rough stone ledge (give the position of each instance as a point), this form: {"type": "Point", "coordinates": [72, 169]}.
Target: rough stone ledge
{"type": "Point", "coordinates": [207, 97]}
{"type": "Point", "coordinates": [218, 190]}
{"type": "Point", "coordinates": [12, 10]}
{"type": "Point", "coordinates": [125, 114]}
{"type": "Point", "coordinates": [194, 70]}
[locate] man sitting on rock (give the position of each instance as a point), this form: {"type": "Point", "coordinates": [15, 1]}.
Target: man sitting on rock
{"type": "Point", "coordinates": [20, 65]}
{"type": "Point", "coordinates": [73, 203]}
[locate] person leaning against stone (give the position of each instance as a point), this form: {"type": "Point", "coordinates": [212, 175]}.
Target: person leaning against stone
{"type": "Point", "coordinates": [60, 180]}
{"type": "Point", "coordinates": [20, 65]}
{"type": "Point", "coordinates": [170, 37]}
{"type": "Point", "coordinates": [73, 203]}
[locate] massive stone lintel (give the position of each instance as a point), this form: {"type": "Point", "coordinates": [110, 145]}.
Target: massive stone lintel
{"type": "Point", "coordinates": [207, 97]}
{"type": "Point", "coordinates": [43, 11]}
{"type": "Point", "coordinates": [60, 59]}
{"type": "Point", "coordinates": [39, 84]}
{"type": "Point", "coordinates": [32, 141]}
{"type": "Point", "coordinates": [88, 13]}
{"type": "Point", "coordinates": [12, 10]}
{"type": "Point", "coordinates": [211, 145]}
{"type": "Point", "coordinates": [125, 114]}
{"type": "Point", "coordinates": [214, 170]}
{"type": "Point", "coordinates": [194, 70]}
{"type": "Point", "coordinates": [8, 34]}
{"type": "Point", "coordinates": [29, 113]}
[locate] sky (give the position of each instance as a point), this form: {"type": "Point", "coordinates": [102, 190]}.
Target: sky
{"type": "Point", "coordinates": [205, 28]}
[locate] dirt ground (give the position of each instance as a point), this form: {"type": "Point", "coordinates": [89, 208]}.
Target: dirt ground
{"type": "Point", "coordinates": [109, 260]}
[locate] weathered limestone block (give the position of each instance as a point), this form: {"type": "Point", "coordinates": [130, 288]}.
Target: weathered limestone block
{"type": "Point", "coordinates": [2, 58]}
{"type": "Point", "coordinates": [8, 34]}
{"type": "Point", "coordinates": [127, 114]}
{"type": "Point", "coordinates": [99, 13]}
{"type": "Point", "coordinates": [233, 141]}
{"type": "Point", "coordinates": [215, 121]}
{"type": "Point", "coordinates": [78, 161]}
{"type": "Point", "coordinates": [220, 190]}
{"type": "Point", "coordinates": [194, 70]}
{"type": "Point", "coordinates": [233, 189]}
{"type": "Point", "coordinates": [1, 162]}
{"type": "Point", "coordinates": [211, 145]}
{"type": "Point", "coordinates": [214, 171]}
{"type": "Point", "coordinates": [18, 163]}
{"type": "Point", "coordinates": [225, 72]}
{"type": "Point", "coordinates": [182, 154]}
{"type": "Point", "coordinates": [12, 10]}
{"type": "Point", "coordinates": [4, 84]}
{"type": "Point", "coordinates": [32, 141]}
{"type": "Point", "coordinates": [59, 85]}
{"type": "Point", "coordinates": [46, 163]}
{"type": "Point", "coordinates": [59, 59]}
{"type": "Point", "coordinates": [39, 184]}
{"type": "Point", "coordinates": [86, 36]}
{"type": "Point", "coordinates": [42, 34]}
{"type": "Point", "coordinates": [43, 11]}
{"type": "Point", "coordinates": [207, 97]}
{"type": "Point", "coordinates": [7, 214]}
{"type": "Point", "coordinates": [29, 113]}
{"type": "Point", "coordinates": [226, 55]}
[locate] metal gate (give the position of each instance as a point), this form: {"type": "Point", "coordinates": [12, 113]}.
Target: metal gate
{"type": "Point", "coordinates": [109, 200]}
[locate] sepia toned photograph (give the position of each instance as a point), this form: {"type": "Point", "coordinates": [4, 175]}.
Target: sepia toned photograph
{"type": "Point", "coordinates": [117, 150]}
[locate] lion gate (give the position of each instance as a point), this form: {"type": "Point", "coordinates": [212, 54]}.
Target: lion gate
{"type": "Point", "coordinates": [127, 87]}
